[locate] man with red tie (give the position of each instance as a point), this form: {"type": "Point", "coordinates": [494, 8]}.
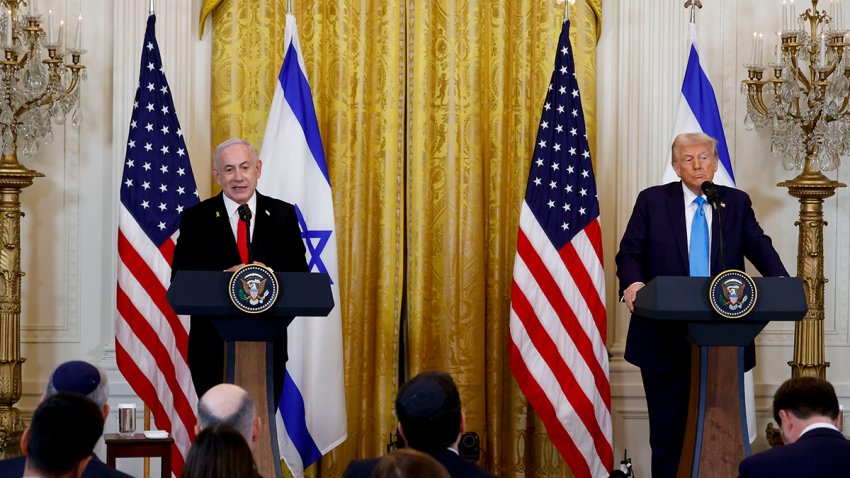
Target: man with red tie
{"type": "Point", "coordinates": [235, 227]}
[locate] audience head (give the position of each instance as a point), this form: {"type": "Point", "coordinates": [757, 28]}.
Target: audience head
{"type": "Point", "coordinates": [237, 169]}
{"type": "Point", "coordinates": [429, 414]}
{"type": "Point", "coordinates": [802, 401]}
{"type": "Point", "coordinates": [81, 377]}
{"type": "Point", "coordinates": [64, 429]}
{"type": "Point", "coordinates": [230, 405]}
{"type": "Point", "coordinates": [219, 451]}
{"type": "Point", "coordinates": [409, 463]}
{"type": "Point", "coordinates": [694, 159]}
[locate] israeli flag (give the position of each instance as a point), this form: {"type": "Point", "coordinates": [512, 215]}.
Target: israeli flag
{"type": "Point", "coordinates": [311, 417]}
{"type": "Point", "coordinates": [698, 112]}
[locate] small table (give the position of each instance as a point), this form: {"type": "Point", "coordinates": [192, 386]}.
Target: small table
{"type": "Point", "coordinates": [138, 445]}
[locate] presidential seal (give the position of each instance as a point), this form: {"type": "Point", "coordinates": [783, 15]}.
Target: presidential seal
{"type": "Point", "coordinates": [253, 288]}
{"type": "Point", "coordinates": [733, 294]}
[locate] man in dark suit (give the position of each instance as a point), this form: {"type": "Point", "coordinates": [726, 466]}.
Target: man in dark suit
{"type": "Point", "coordinates": [85, 379]}
{"type": "Point", "coordinates": [59, 441]}
{"type": "Point", "coordinates": [806, 410]}
{"type": "Point", "coordinates": [429, 420]}
{"type": "Point", "coordinates": [210, 240]}
{"type": "Point", "coordinates": [657, 242]}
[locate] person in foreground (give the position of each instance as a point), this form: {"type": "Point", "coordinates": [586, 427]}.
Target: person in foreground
{"type": "Point", "coordinates": [407, 463]}
{"type": "Point", "coordinates": [806, 409]}
{"type": "Point", "coordinates": [673, 231]}
{"type": "Point", "coordinates": [211, 239]}
{"type": "Point", "coordinates": [220, 452]}
{"type": "Point", "coordinates": [429, 420]}
{"type": "Point", "coordinates": [86, 379]}
{"type": "Point", "coordinates": [59, 441]}
{"type": "Point", "coordinates": [229, 405]}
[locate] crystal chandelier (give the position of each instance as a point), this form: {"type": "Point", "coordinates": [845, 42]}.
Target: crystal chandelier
{"type": "Point", "coordinates": [810, 115]}
{"type": "Point", "coordinates": [37, 86]}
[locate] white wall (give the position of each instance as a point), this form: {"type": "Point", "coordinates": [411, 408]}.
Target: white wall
{"type": "Point", "coordinates": [642, 55]}
{"type": "Point", "coordinates": [70, 230]}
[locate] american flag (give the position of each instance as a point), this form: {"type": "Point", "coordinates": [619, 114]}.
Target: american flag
{"type": "Point", "coordinates": [558, 322]}
{"type": "Point", "coordinates": [151, 341]}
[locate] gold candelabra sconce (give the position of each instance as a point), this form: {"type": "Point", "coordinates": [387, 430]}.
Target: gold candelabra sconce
{"type": "Point", "coordinates": [38, 88]}
{"type": "Point", "coordinates": [809, 118]}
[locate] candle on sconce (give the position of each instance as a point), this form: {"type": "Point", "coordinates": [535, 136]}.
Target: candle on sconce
{"type": "Point", "coordinates": [753, 48]}
{"type": "Point", "coordinates": [61, 38]}
{"type": "Point", "coordinates": [49, 26]}
{"type": "Point", "coordinates": [778, 59]}
{"type": "Point", "coordinates": [784, 16]}
{"type": "Point", "coordinates": [760, 58]}
{"type": "Point", "coordinates": [78, 38]}
{"type": "Point", "coordinates": [792, 13]}
{"type": "Point", "coordinates": [822, 51]}
{"type": "Point", "coordinates": [8, 16]}
{"type": "Point", "coordinates": [33, 4]}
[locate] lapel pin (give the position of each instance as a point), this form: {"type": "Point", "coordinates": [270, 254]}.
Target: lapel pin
{"type": "Point", "coordinates": [217, 214]}
{"type": "Point", "coordinates": [268, 213]}
{"type": "Point", "coordinates": [723, 204]}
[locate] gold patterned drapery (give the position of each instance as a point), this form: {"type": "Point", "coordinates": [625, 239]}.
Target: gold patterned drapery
{"type": "Point", "coordinates": [428, 111]}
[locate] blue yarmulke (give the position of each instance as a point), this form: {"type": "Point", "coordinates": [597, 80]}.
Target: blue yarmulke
{"type": "Point", "coordinates": [76, 376]}
{"type": "Point", "coordinates": [422, 398]}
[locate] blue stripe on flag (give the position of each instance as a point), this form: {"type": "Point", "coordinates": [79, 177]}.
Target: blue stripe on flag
{"type": "Point", "coordinates": [292, 412]}
{"type": "Point", "coordinates": [700, 97]}
{"type": "Point", "coordinates": [296, 90]}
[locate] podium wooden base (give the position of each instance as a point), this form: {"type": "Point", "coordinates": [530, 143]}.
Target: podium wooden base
{"type": "Point", "coordinates": [252, 372]}
{"type": "Point", "coordinates": [716, 437]}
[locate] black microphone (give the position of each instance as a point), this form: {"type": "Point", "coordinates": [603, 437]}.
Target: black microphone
{"type": "Point", "coordinates": [711, 194]}
{"type": "Point", "coordinates": [713, 198]}
{"type": "Point", "coordinates": [245, 215]}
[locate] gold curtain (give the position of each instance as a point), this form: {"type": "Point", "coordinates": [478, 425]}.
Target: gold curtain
{"type": "Point", "coordinates": [428, 111]}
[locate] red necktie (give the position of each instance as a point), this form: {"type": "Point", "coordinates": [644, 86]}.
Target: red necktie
{"type": "Point", "coordinates": [242, 241]}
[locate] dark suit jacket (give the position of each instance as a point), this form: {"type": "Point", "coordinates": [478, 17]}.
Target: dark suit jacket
{"type": "Point", "coordinates": [819, 452]}
{"type": "Point", "coordinates": [655, 244]}
{"type": "Point", "coordinates": [456, 466]}
{"type": "Point", "coordinates": [206, 242]}
{"type": "Point", "coordinates": [14, 468]}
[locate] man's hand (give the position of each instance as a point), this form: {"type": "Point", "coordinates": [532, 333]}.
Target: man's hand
{"type": "Point", "coordinates": [630, 294]}
{"type": "Point", "coordinates": [237, 266]}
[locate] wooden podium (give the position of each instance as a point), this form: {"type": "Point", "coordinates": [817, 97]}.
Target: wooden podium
{"type": "Point", "coordinates": [250, 337]}
{"type": "Point", "coordinates": [716, 438]}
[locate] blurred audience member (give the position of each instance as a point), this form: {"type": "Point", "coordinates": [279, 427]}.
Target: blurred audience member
{"type": "Point", "coordinates": [59, 442]}
{"type": "Point", "coordinates": [230, 405]}
{"type": "Point", "coordinates": [86, 379]}
{"type": "Point", "coordinates": [409, 463]}
{"type": "Point", "coordinates": [806, 409]}
{"type": "Point", "coordinates": [220, 451]}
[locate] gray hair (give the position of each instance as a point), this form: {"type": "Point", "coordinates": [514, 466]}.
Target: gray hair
{"type": "Point", "coordinates": [690, 139]}
{"type": "Point", "coordinates": [230, 142]}
{"type": "Point", "coordinates": [241, 420]}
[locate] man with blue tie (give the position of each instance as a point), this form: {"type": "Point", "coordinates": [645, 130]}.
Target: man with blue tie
{"type": "Point", "coordinates": [673, 231]}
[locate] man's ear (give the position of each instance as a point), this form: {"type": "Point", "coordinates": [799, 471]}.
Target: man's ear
{"type": "Point", "coordinates": [105, 412]}
{"type": "Point", "coordinates": [25, 442]}
{"type": "Point", "coordinates": [81, 467]}
{"type": "Point", "coordinates": [401, 432]}
{"type": "Point", "coordinates": [255, 430]}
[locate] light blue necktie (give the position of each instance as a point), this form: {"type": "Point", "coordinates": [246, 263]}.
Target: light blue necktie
{"type": "Point", "coordinates": [698, 251]}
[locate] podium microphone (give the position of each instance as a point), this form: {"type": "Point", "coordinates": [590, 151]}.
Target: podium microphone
{"type": "Point", "coordinates": [713, 198]}
{"type": "Point", "coordinates": [245, 215]}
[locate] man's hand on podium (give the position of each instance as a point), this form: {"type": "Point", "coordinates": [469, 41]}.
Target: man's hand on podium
{"type": "Point", "coordinates": [630, 294]}
{"type": "Point", "coordinates": [237, 266]}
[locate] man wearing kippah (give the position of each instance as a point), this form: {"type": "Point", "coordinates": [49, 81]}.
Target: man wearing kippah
{"type": "Point", "coordinates": [85, 379]}
{"type": "Point", "coordinates": [429, 420]}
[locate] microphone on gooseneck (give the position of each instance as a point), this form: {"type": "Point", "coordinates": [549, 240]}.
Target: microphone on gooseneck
{"type": "Point", "coordinates": [713, 198]}
{"type": "Point", "coordinates": [245, 215]}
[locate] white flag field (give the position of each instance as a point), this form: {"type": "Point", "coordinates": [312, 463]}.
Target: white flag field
{"type": "Point", "coordinates": [311, 418]}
